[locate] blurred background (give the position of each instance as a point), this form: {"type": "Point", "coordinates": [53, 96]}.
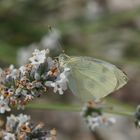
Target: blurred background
{"type": "Point", "coordinates": [105, 29]}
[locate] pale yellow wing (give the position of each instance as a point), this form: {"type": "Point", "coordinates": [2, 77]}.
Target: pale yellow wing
{"type": "Point", "coordinates": [93, 79]}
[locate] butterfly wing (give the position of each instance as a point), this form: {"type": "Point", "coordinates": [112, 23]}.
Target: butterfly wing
{"type": "Point", "coordinates": [94, 79]}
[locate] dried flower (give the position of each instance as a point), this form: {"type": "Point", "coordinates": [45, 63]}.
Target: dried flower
{"type": "Point", "coordinates": [20, 86]}
{"type": "Point", "coordinates": [137, 117]}
{"type": "Point", "coordinates": [8, 136]}
{"type": "Point", "coordinates": [4, 105]}
{"type": "Point", "coordinates": [94, 117]}
{"type": "Point", "coordinates": [19, 127]}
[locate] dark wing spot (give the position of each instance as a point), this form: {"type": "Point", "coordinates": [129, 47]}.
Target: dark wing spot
{"type": "Point", "coordinates": [103, 79]}
{"type": "Point", "coordinates": [104, 70]}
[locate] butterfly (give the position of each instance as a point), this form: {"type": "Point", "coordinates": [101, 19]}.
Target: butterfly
{"type": "Point", "coordinates": [91, 78]}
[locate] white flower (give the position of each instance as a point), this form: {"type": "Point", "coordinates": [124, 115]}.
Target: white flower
{"type": "Point", "coordinates": [55, 86]}
{"type": "Point", "coordinates": [48, 138]}
{"type": "Point", "coordinates": [61, 82]}
{"type": "Point", "coordinates": [13, 72]}
{"type": "Point", "coordinates": [93, 122]}
{"type": "Point", "coordinates": [22, 119]}
{"type": "Point", "coordinates": [11, 122]}
{"type": "Point", "coordinates": [4, 105]}
{"type": "Point", "coordinates": [111, 121]}
{"type": "Point", "coordinates": [22, 70]}
{"type": "Point", "coordinates": [99, 121]}
{"type": "Point", "coordinates": [37, 76]}
{"type": "Point", "coordinates": [38, 56]}
{"type": "Point", "coordinates": [11, 67]}
{"type": "Point", "coordinates": [9, 136]}
{"type": "Point", "coordinates": [29, 97]}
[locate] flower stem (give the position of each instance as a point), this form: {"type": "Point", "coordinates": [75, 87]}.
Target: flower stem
{"type": "Point", "coordinates": [57, 107]}
{"type": "Point", "coordinates": [64, 107]}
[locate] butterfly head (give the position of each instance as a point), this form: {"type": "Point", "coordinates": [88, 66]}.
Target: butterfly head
{"type": "Point", "coordinates": [63, 59]}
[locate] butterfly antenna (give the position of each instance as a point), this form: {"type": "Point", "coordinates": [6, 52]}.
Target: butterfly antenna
{"type": "Point", "coordinates": [59, 42]}
{"type": "Point", "coordinates": [50, 28]}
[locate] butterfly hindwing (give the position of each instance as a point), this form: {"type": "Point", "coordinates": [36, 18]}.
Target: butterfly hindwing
{"type": "Point", "coordinates": [94, 79]}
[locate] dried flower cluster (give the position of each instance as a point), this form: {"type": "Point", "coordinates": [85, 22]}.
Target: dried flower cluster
{"type": "Point", "coordinates": [20, 128]}
{"type": "Point", "coordinates": [93, 115]}
{"type": "Point", "coordinates": [19, 86]}
{"type": "Point", "coordinates": [49, 41]}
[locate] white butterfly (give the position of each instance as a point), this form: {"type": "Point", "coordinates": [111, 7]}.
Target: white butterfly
{"type": "Point", "coordinates": [91, 78]}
